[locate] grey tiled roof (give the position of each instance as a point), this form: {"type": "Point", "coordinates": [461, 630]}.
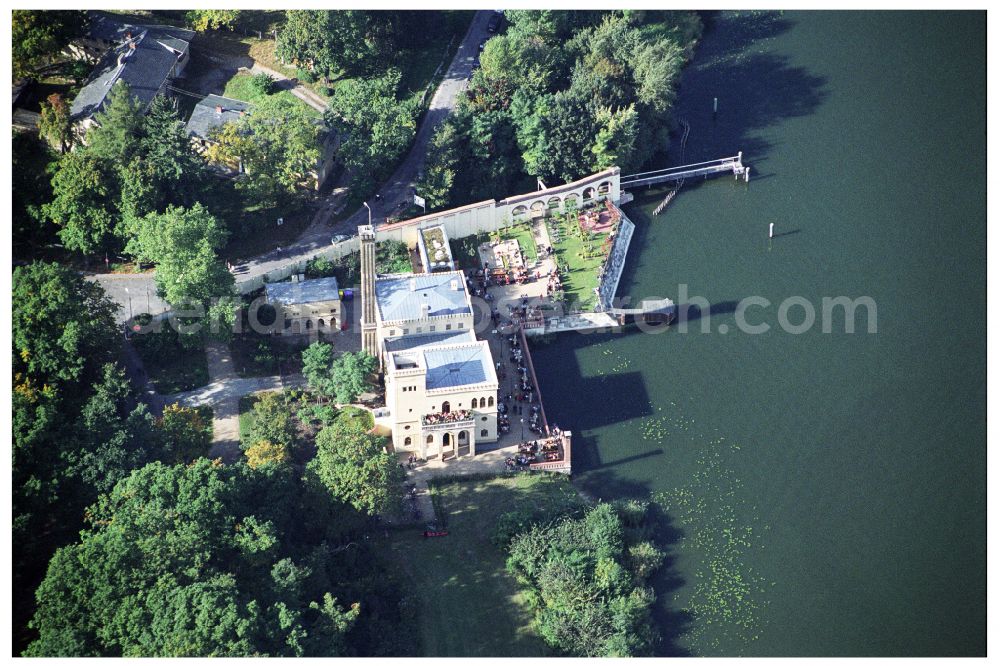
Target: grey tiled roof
{"type": "Point", "coordinates": [144, 68]}
{"type": "Point", "coordinates": [204, 118]}
{"type": "Point", "coordinates": [403, 297]}
{"type": "Point", "coordinates": [307, 291]}
{"type": "Point", "coordinates": [111, 29]}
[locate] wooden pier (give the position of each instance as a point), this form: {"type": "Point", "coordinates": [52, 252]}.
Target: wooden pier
{"type": "Point", "coordinates": [733, 165]}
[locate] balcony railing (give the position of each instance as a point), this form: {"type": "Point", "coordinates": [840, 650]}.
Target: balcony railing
{"type": "Point", "coordinates": [446, 418]}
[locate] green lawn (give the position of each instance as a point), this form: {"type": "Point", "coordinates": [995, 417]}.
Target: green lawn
{"type": "Point", "coordinates": [255, 228]}
{"type": "Point", "coordinates": [468, 605]}
{"type": "Point", "coordinates": [522, 234]}
{"type": "Point", "coordinates": [465, 251]}
{"type": "Point", "coordinates": [239, 87]}
{"type": "Point", "coordinates": [579, 274]}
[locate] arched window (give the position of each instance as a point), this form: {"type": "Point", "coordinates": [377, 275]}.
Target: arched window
{"type": "Point", "coordinates": [554, 203]}
{"type": "Point", "coordinates": [482, 401]}
{"type": "Point", "coordinates": [484, 433]}
{"type": "Point", "coordinates": [445, 407]}
{"type": "Point", "coordinates": [538, 208]}
{"type": "Point", "coordinates": [519, 211]}
{"type": "Point", "coordinates": [604, 188]}
{"type": "Point", "coordinates": [588, 194]}
{"type": "Point", "coordinates": [475, 403]}
{"type": "Point", "coordinates": [309, 324]}
{"type": "Point", "coordinates": [408, 441]}
{"type": "Point", "coordinates": [430, 439]}
{"type": "Point", "coordinates": [491, 401]}
{"type": "Point", "coordinates": [320, 323]}
{"type": "Point", "coordinates": [463, 436]}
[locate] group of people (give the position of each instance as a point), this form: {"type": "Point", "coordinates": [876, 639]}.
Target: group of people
{"type": "Point", "coordinates": [446, 417]}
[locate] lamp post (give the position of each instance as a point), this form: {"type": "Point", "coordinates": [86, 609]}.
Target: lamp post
{"type": "Point", "coordinates": [129, 303]}
{"type": "Point", "coordinates": [522, 428]}
{"type": "Point", "coordinates": [369, 212]}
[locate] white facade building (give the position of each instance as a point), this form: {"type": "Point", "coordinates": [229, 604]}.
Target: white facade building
{"type": "Point", "coordinates": [441, 382]}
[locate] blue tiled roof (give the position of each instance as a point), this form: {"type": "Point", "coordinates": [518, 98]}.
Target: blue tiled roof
{"type": "Point", "coordinates": [429, 340]}
{"type": "Point", "coordinates": [307, 291]}
{"type": "Point", "coordinates": [458, 365]}
{"type": "Point", "coordinates": [401, 297]}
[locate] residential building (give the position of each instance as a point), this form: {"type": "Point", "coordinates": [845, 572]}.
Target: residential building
{"type": "Point", "coordinates": [146, 57]}
{"type": "Point", "coordinates": [215, 111]}
{"type": "Point", "coordinates": [306, 306]}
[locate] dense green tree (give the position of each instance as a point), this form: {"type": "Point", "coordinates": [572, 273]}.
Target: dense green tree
{"type": "Point", "coordinates": [375, 128]}
{"type": "Point", "coordinates": [185, 433]}
{"type": "Point", "coordinates": [352, 375]}
{"type": "Point", "coordinates": [317, 368]}
{"type": "Point", "coordinates": [203, 20]}
{"type": "Point", "coordinates": [39, 35]}
{"type": "Point", "coordinates": [583, 90]}
{"type": "Point", "coordinates": [83, 189]}
{"type": "Point", "coordinates": [61, 324]}
{"type": "Point", "coordinates": [183, 244]}
{"type": "Point", "coordinates": [357, 467]}
{"type": "Point", "coordinates": [31, 189]}
{"type": "Point", "coordinates": [119, 127]}
{"type": "Point", "coordinates": [585, 582]}
{"type": "Point", "coordinates": [175, 170]}
{"type": "Point", "coordinates": [615, 143]}
{"type": "Point", "coordinates": [331, 42]}
{"type": "Point", "coordinates": [443, 155]}
{"type": "Point", "coordinates": [272, 421]}
{"type": "Point", "coordinates": [193, 560]}
{"type": "Point", "coordinates": [278, 145]}
{"type": "Point", "coordinates": [54, 124]}
{"type": "Point", "coordinates": [567, 129]}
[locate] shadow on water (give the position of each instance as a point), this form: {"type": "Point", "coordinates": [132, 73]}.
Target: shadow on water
{"type": "Point", "coordinates": [595, 402]}
{"type": "Point", "coordinates": [693, 311]}
{"type": "Point", "coordinates": [755, 90]}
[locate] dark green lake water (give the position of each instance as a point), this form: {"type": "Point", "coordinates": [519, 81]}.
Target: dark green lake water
{"type": "Point", "coordinates": [836, 481]}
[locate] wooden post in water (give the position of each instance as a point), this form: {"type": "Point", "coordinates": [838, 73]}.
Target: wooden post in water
{"type": "Point", "coordinates": [715, 105]}
{"type": "Point", "coordinates": [770, 230]}
{"type": "Point", "coordinates": [746, 175]}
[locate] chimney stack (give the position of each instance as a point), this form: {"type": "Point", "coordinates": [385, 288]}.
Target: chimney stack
{"type": "Point", "coordinates": [218, 109]}
{"type": "Point", "coordinates": [454, 285]}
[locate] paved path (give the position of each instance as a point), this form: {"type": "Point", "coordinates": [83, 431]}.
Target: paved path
{"type": "Point", "coordinates": [293, 86]}
{"type": "Point", "coordinates": [397, 192]}
{"type": "Point", "coordinates": [223, 393]}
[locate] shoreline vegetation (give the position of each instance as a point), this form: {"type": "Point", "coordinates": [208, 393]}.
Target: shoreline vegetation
{"type": "Point", "coordinates": [130, 539]}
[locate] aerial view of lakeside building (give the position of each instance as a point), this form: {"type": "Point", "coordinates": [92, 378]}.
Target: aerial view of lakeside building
{"type": "Point", "coordinates": [561, 332]}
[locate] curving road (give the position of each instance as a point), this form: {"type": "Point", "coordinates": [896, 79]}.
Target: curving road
{"type": "Point", "coordinates": [395, 194]}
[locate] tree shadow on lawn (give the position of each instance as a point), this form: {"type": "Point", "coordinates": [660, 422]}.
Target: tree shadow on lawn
{"type": "Point", "coordinates": [470, 604]}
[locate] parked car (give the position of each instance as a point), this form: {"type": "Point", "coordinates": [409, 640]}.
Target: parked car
{"type": "Point", "coordinates": [339, 238]}
{"type": "Point", "coordinates": [494, 21]}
